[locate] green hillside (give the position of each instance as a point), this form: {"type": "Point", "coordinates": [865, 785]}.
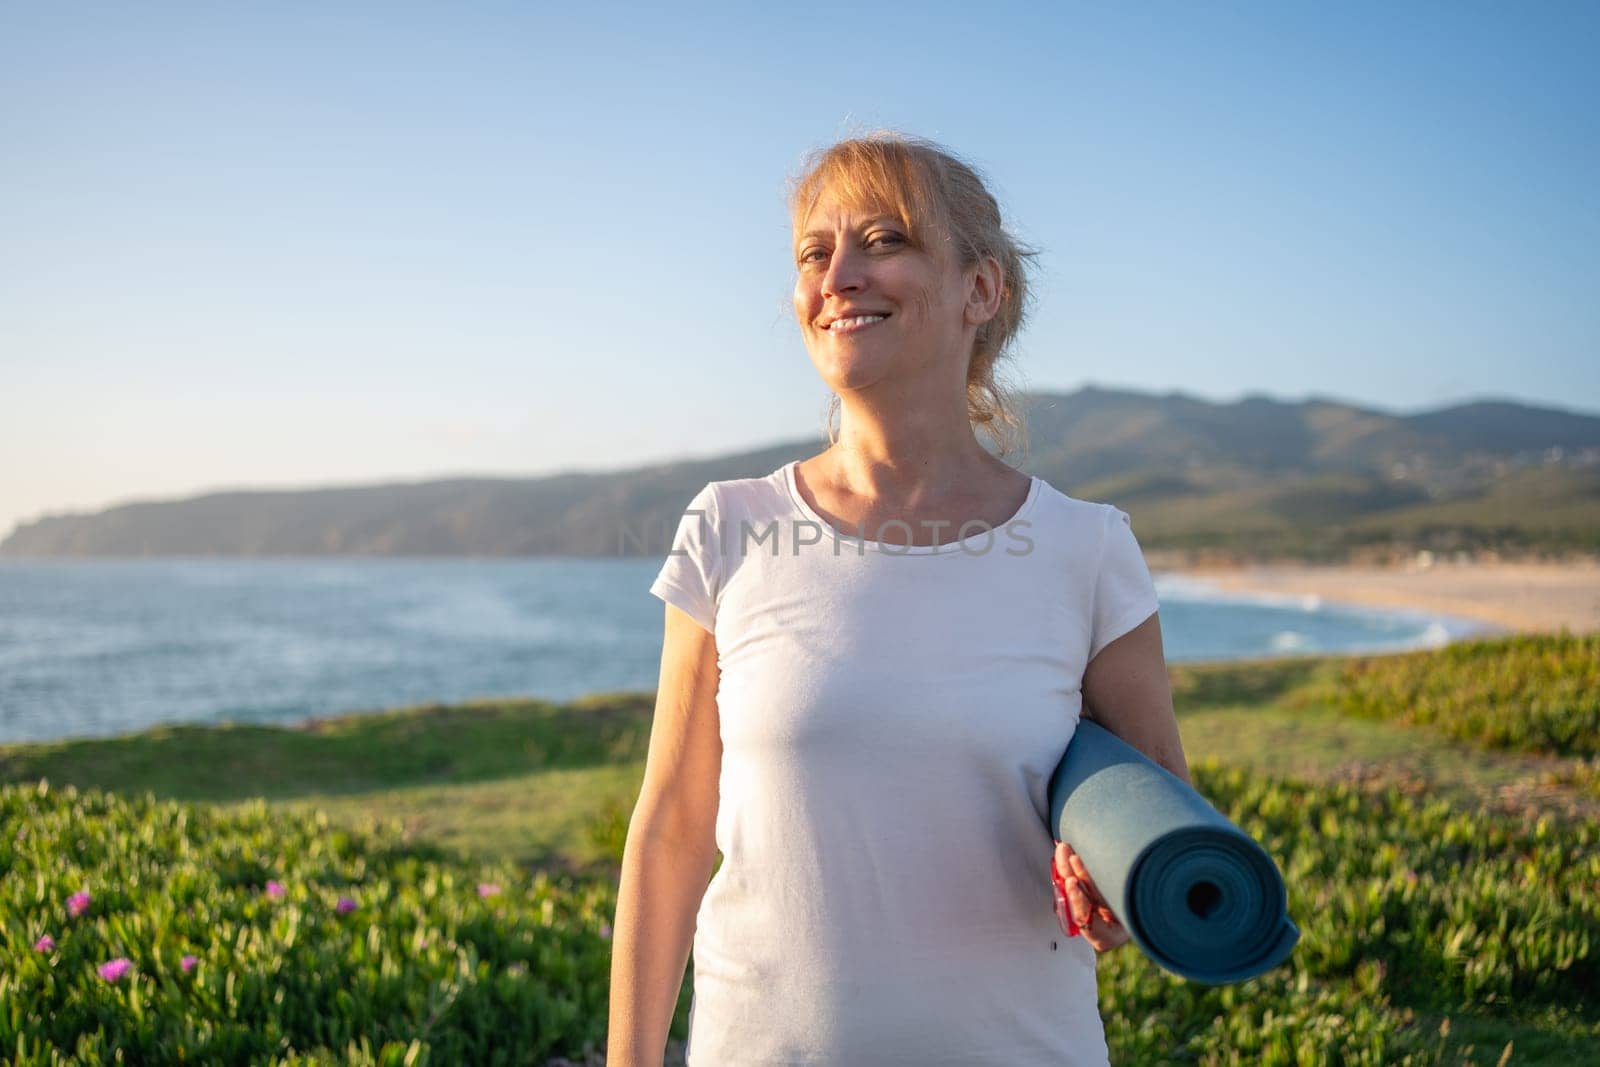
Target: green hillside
{"type": "Point", "coordinates": [1259, 477]}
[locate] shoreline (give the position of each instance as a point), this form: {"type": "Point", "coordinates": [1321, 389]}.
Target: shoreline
{"type": "Point", "coordinates": [1523, 597]}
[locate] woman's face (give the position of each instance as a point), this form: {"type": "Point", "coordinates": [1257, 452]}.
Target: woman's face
{"type": "Point", "coordinates": [870, 304]}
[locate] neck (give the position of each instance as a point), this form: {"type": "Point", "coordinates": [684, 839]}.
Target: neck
{"type": "Point", "coordinates": [906, 451]}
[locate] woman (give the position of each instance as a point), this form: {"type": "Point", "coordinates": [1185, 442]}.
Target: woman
{"type": "Point", "coordinates": [872, 661]}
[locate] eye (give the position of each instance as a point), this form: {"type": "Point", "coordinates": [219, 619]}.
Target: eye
{"type": "Point", "coordinates": [816, 253]}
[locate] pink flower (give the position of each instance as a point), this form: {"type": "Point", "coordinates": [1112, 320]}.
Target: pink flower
{"type": "Point", "coordinates": [116, 968]}
{"type": "Point", "coordinates": [605, 931]}
{"type": "Point", "coordinates": [187, 963]}
{"type": "Point", "coordinates": [345, 906]}
{"type": "Point", "coordinates": [78, 903]}
{"type": "Point", "coordinates": [275, 889]}
{"type": "Point", "coordinates": [488, 889]}
{"type": "Point", "coordinates": [45, 944]}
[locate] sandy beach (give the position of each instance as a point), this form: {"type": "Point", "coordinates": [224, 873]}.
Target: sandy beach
{"type": "Point", "coordinates": [1524, 597]}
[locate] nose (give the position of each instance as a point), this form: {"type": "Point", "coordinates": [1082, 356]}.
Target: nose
{"type": "Point", "coordinates": [845, 272]}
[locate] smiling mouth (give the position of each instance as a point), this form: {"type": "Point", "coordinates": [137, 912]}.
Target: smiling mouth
{"type": "Point", "coordinates": [855, 324]}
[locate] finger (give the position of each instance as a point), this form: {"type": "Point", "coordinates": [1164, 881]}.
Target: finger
{"type": "Point", "coordinates": [1062, 859]}
{"type": "Point", "coordinates": [1087, 907]}
{"type": "Point", "coordinates": [1101, 941]}
{"type": "Point", "coordinates": [1095, 932]}
{"type": "Point", "coordinates": [1081, 873]}
{"type": "Point", "coordinates": [1078, 901]}
{"type": "Point", "coordinates": [1105, 928]}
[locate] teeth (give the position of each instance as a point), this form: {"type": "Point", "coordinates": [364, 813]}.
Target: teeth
{"type": "Point", "coordinates": [859, 320]}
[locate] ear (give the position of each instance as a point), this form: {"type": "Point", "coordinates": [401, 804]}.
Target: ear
{"type": "Point", "coordinates": [984, 292]}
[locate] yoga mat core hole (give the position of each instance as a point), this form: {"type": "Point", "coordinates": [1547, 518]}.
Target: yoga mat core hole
{"type": "Point", "coordinates": [1203, 898]}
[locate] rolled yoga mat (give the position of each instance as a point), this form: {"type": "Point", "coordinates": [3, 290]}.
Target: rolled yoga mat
{"type": "Point", "coordinates": [1198, 895]}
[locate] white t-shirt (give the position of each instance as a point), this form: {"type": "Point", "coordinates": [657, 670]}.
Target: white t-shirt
{"type": "Point", "coordinates": [890, 718]}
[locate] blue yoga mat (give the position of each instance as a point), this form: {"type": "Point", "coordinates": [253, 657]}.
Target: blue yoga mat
{"type": "Point", "coordinates": [1198, 895]}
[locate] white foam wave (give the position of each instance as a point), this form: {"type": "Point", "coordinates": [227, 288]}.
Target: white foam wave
{"type": "Point", "coordinates": [1287, 640]}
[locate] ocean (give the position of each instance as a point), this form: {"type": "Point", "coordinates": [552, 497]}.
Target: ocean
{"type": "Point", "coordinates": [95, 648]}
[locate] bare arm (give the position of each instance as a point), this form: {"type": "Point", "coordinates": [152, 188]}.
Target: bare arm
{"type": "Point", "coordinates": [671, 848]}
{"type": "Point", "coordinates": [1125, 690]}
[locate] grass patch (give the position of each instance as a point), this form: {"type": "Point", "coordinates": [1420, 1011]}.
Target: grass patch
{"type": "Point", "coordinates": [542, 821]}
{"type": "Point", "coordinates": [254, 936]}
{"type": "Point", "coordinates": [1535, 693]}
{"type": "Point", "coordinates": [349, 754]}
{"type": "Point", "coordinates": [1241, 682]}
{"type": "Point", "coordinates": [1435, 885]}
{"type": "Point", "coordinates": [1410, 911]}
{"type": "Point", "coordinates": [1580, 775]}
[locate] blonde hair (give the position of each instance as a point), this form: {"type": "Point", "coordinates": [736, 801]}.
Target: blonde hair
{"type": "Point", "coordinates": [939, 198]}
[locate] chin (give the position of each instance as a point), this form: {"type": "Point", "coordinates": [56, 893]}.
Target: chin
{"type": "Point", "coordinates": [851, 365]}
{"type": "Point", "coordinates": [854, 375]}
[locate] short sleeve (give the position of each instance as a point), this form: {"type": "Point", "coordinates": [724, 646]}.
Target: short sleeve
{"type": "Point", "coordinates": [1124, 593]}
{"type": "Point", "coordinates": [691, 577]}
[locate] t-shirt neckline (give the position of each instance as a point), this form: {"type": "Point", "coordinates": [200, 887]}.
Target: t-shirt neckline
{"type": "Point", "coordinates": [1034, 485]}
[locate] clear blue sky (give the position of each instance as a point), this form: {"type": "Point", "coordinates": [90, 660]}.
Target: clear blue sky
{"type": "Point", "coordinates": [292, 244]}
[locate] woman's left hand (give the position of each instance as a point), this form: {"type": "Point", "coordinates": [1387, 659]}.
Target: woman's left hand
{"type": "Point", "coordinates": [1089, 909]}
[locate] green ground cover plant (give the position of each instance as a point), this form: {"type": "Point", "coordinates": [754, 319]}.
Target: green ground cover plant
{"type": "Point", "coordinates": [154, 931]}
{"type": "Point", "coordinates": [383, 906]}
{"type": "Point", "coordinates": [1410, 911]}
{"type": "Point", "coordinates": [248, 935]}
{"type": "Point", "coordinates": [1536, 693]}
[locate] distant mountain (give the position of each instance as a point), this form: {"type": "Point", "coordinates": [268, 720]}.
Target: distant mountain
{"type": "Point", "coordinates": [1258, 477]}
